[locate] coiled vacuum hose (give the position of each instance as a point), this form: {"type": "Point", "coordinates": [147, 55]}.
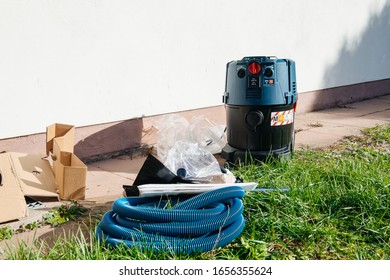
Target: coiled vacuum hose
{"type": "Point", "coordinates": [197, 224]}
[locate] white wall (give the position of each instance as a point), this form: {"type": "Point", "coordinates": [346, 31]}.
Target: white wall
{"type": "Point", "coordinates": [84, 62]}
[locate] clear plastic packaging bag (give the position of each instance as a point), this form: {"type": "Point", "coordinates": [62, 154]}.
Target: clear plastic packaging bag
{"type": "Point", "coordinates": [191, 162]}
{"type": "Point", "coordinates": [170, 129]}
{"type": "Point", "coordinates": [188, 147]}
{"type": "Point", "coordinates": [208, 135]}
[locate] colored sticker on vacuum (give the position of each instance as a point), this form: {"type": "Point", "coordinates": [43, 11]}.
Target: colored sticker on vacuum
{"type": "Point", "coordinates": [282, 118]}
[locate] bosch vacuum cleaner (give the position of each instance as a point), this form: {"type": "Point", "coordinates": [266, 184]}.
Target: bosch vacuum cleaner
{"type": "Point", "coordinates": [260, 100]}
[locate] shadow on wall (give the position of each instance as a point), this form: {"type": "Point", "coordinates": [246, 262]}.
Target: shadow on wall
{"type": "Point", "coordinates": [368, 60]}
{"type": "Point", "coordinates": [109, 140]}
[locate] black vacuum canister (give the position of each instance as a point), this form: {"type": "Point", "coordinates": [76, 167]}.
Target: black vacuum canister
{"type": "Point", "coordinates": [260, 99]}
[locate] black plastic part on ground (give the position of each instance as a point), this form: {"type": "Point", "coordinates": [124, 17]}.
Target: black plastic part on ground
{"type": "Point", "coordinates": [153, 172]}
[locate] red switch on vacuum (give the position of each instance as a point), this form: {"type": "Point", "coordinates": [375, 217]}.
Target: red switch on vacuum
{"type": "Point", "coordinates": [254, 68]}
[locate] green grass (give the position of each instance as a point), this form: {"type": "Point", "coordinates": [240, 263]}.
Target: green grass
{"type": "Point", "coordinates": [337, 206]}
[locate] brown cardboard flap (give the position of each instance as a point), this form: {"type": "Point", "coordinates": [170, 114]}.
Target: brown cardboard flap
{"type": "Point", "coordinates": [35, 175]}
{"type": "Point", "coordinates": [63, 131]}
{"type": "Point", "coordinates": [71, 175]}
{"type": "Point", "coordinates": [12, 203]}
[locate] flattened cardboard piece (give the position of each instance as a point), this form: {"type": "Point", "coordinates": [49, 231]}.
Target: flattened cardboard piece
{"type": "Point", "coordinates": [35, 175]}
{"type": "Point", "coordinates": [23, 175]}
{"type": "Point", "coordinates": [64, 133]}
{"type": "Point", "coordinates": [71, 174]}
{"type": "Point", "coordinates": [12, 203]}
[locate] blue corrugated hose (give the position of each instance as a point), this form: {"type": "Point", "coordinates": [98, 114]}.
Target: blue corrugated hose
{"type": "Point", "coordinates": [198, 224]}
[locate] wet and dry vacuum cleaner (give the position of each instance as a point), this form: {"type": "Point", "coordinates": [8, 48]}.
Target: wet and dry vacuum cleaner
{"type": "Point", "coordinates": [260, 100]}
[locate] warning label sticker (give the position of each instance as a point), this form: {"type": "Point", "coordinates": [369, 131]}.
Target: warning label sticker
{"type": "Point", "coordinates": [282, 118]}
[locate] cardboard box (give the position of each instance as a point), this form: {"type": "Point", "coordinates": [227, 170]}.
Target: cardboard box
{"type": "Point", "coordinates": [70, 172]}
{"type": "Point", "coordinates": [71, 175]}
{"type": "Point", "coordinates": [23, 175]}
